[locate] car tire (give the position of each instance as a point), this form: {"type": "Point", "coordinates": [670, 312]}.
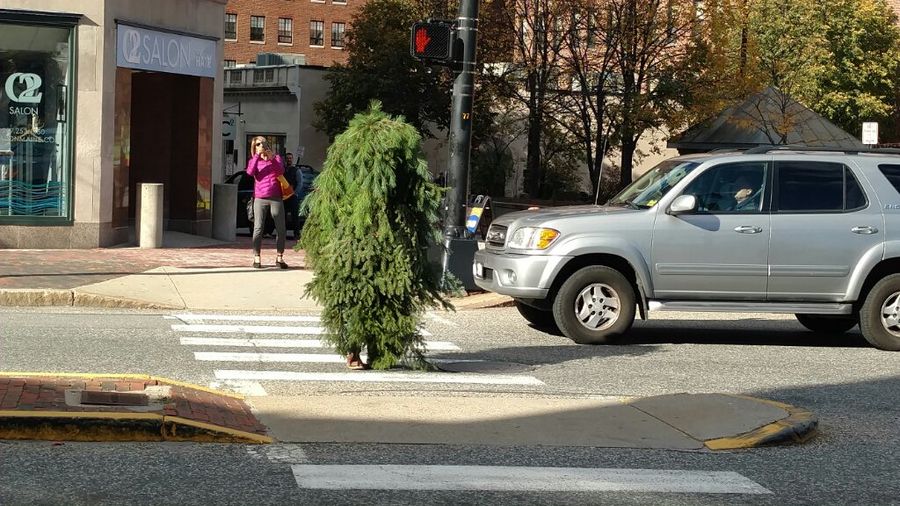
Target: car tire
{"type": "Point", "coordinates": [878, 316]}
{"type": "Point", "coordinates": [826, 324]}
{"type": "Point", "coordinates": [580, 320]}
{"type": "Point", "coordinates": [540, 318]}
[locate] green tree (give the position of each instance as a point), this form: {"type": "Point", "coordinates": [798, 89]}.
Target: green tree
{"type": "Point", "coordinates": [379, 67]}
{"type": "Point", "coordinates": [371, 221]}
{"type": "Point", "coordinates": [861, 79]}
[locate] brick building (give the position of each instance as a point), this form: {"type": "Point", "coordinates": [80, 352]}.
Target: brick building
{"type": "Point", "coordinates": [312, 28]}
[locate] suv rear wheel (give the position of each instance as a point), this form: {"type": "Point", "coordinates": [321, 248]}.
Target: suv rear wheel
{"type": "Point", "coordinates": [595, 305]}
{"type": "Point", "coordinates": [541, 318]}
{"type": "Point", "coordinates": [879, 316]}
{"type": "Point", "coordinates": [826, 324]}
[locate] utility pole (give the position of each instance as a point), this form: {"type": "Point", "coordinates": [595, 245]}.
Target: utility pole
{"type": "Point", "coordinates": [458, 249]}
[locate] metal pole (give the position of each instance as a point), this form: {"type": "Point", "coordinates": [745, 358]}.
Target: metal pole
{"type": "Point", "coordinates": [460, 128]}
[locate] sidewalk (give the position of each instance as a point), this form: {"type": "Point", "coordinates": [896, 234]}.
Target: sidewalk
{"type": "Point", "coordinates": [82, 407]}
{"type": "Point", "coordinates": [189, 272]}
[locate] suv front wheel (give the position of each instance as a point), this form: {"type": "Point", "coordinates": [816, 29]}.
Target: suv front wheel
{"type": "Point", "coordinates": [595, 305]}
{"type": "Point", "coordinates": [879, 317]}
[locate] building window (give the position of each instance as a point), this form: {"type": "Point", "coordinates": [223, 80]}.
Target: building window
{"type": "Point", "coordinates": [339, 2]}
{"type": "Point", "coordinates": [285, 30]}
{"type": "Point", "coordinates": [235, 76]}
{"type": "Point", "coordinates": [337, 34]}
{"type": "Point", "coordinates": [316, 33]}
{"type": "Point", "coordinates": [230, 64]}
{"type": "Point", "coordinates": [230, 26]}
{"type": "Point", "coordinates": [35, 127]}
{"type": "Point", "coordinates": [257, 28]}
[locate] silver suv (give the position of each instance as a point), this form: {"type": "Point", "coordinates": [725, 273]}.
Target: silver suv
{"type": "Point", "coordinates": [813, 233]}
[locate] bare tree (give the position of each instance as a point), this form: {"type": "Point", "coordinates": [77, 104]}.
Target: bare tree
{"type": "Point", "coordinates": [529, 78]}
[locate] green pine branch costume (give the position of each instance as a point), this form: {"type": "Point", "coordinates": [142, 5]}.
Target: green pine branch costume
{"type": "Point", "coordinates": [371, 218]}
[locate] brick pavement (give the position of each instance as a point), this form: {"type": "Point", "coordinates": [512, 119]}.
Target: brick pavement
{"type": "Point", "coordinates": [72, 268]}
{"type": "Point", "coordinates": [182, 412]}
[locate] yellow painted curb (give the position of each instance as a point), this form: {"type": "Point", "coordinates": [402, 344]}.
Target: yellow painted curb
{"type": "Point", "coordinates": [238, 434]}
{"type": "Point", "coordinates": [798, 427]}
{"type": "Point", "coordinates": [143, 377]}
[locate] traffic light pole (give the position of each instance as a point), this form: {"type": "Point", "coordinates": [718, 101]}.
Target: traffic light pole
{"type": "Point", "coordinates": [460, 133]}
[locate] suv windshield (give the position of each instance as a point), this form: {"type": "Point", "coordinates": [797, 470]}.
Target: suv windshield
{"type": "Point", "coordinates": [656, 182]}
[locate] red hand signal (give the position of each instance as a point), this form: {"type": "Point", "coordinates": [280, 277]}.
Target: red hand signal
{"type": "Point", "coordinates": [422, 40]}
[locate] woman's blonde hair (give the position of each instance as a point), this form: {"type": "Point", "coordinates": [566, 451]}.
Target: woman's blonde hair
{"type": "Point", "coordinates": [267, 151]}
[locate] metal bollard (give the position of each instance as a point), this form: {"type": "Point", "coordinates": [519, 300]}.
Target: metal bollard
{"type": "Point", "coordinates": [150, 224]}
{"type": "Point", "coordinates": [224, 209]}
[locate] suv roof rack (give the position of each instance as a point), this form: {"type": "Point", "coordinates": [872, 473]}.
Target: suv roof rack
{"type": "Point", "coordinates": [792, 147]}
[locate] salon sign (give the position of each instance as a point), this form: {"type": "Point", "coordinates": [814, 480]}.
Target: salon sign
{"type": "Point", "coordinates": [146, 49]}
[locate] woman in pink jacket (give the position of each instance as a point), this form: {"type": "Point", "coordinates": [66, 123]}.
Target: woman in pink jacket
{"type": "Point", "coordinates": [265, 167]}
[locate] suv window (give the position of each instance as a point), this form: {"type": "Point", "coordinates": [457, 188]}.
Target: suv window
{"type": "Point", "coordinates": [892, 173]}
{"type": "Point", "coordinates": [730, 188]}
{"type": "Point", "coordinates": [816, 187]}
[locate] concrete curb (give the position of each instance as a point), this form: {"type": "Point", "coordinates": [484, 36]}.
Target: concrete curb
{"type": "Point", "coordinates": [482, 301]}
{"type": "Point", "coordinates": [104, 426]}
{"type": "Point", "coordinates": [43, 297]}
{"type": "Point", "coordinates": [799, 426]}
{"type": "Point", "coordinates": [111, 426]}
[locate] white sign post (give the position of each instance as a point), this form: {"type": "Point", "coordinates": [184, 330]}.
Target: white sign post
{"type": "Point", "coordinates": [870, 133]}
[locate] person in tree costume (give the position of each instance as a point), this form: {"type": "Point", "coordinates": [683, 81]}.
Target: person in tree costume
{"type": "Point", "coordinates": [371, 219]}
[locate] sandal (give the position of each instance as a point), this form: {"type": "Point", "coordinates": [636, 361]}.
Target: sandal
{"type": "Point", "coordinates": [354, 362]}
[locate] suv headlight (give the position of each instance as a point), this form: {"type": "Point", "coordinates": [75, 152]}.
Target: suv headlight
{"type": "Point", "coordinates": [533, 238]}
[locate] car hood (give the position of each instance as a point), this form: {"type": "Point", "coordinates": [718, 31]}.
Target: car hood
{"type": "Point", "coordinates": [540, 216]}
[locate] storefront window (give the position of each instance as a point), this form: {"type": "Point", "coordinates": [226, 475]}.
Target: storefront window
{"type": "Point", "coordinates": [35, 93]}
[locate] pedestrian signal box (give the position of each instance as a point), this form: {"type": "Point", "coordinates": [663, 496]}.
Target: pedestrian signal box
{"type": "Point", "coordinates": [432, 41]}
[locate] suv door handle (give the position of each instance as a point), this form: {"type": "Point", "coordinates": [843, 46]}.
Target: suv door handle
{"type": "Point", "coordinates": [865, 230]}
{"type": "Point", "coordinates": [747, 229]}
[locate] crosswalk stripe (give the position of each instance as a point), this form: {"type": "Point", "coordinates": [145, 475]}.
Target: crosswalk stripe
{"type": "Point", "coordinates": [289, 343]}
{"type": "Point", "coordinates": [317, 358]}
{"type": "Point", "coordinates": [247, 318]}
{"type": "Point", "coordinates": [311, 358]}
{"type": "Point", "coordinates": [521, 479]}
{"type": "Point", "coordinates": [259, 329]}
{"type": "Point", "coordinates": [380, 377]}
{"type": "Point", "coordinates": [249, 388]}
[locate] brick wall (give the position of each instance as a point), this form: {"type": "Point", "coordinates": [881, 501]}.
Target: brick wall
{"type": "Point", "coordinates": [301, 12]}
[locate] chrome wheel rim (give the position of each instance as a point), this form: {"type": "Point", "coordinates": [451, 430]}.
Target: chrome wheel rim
{"type": "Point", "coordinates": [890, 314]}
{"type": "Point", "coordinates": [597, 307]}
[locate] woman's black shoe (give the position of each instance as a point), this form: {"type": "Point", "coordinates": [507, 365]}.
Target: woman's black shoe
{"type": "Point", "coordinates": [281, 264]}
{"type": "Point", "coordinates": [256, 265]}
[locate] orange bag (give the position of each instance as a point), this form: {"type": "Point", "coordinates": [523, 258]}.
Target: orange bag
{"type": "Point", "coordinates": [286, 190]}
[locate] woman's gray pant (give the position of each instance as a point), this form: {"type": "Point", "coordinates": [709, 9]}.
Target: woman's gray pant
{"type": "Point", "coordinates": [261, 210]}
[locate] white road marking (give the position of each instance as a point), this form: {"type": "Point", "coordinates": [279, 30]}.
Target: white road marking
{"type": "Point", "coordinates": [290, 343]}
{"type": "Point", "coordinates": [245, 318]}
{"type": "Point", "coordinates": [440, 319]}
{"type": "Point", "coordinates": [259, 329]}
{"type": "Point", "coordinates": [380, 377]}
{"type": "Point", "coordinates": [519, 479]}
{"type": "Point", "coordinates": [248, 388]}
{"type": "Point", "coordinates": [317, 358]}
{"type": "Point", "coordinates": [308, 358]}
{"type": "Point", "coordinates": [280, 453]}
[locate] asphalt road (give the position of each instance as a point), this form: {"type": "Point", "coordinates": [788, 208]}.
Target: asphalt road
{"type": "Point", "coordinates": [853, 388]}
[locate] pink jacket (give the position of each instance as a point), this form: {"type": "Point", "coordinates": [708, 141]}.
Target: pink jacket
{"type": "Point", "coordinates": [266, 173]}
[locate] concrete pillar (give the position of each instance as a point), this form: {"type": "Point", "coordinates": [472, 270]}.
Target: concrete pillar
{"type": "Point", "coordinates": [150, 211]}
{"type": "Point", "coordinates": [224, 209]}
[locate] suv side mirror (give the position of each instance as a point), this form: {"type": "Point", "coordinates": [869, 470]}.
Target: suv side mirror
{"type": "Point", "coordinates": [683, 204]}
